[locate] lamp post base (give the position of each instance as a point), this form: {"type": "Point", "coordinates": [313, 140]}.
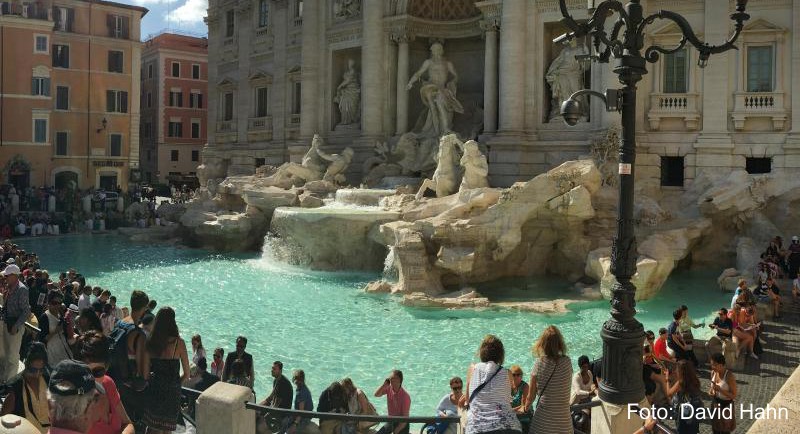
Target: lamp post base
{"type": "Point", "coordinates": [622, 362]}
{"type": "Point", "coordinates": [609, 418]}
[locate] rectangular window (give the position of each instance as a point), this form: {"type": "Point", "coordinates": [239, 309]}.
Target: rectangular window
{"type": "Point", "coordinates": [230, 21]}
{"type": "Point", "coordinates": [196, 100]}
{"type": "Point", "coordinates": [62, 98]}
{"type": "Point", "coordinates": [672, 171]}
{"type": "Point", "coordinates": [176, 69]}
{"type": "Point", "coordinates": [118, 26]}
{"type": "Point", "coordinates": [195, 130]}
{"type": "Point", "coordinates": [60, 56]}
{"type": "Point", "coordinates": [175, 129]}
{"type": "Point", "coordinates": [40, 130]}
{"type": "Point", "coordinates": [40, 86]}
{"type": "Point", "coordinates": [147, 130]}
{"type": "Point", "coordinates": [115, 61]}
{"type": "Point", "coordinates": [298, 9]}
{"type": "Point", "coordinates": [150, 71]}
{"type": "Point", "coordinates": [755, 166]}
{"type": "Point", "coordinates": [116, 101]}
{"type": "Point", "coordinates": [196, 72]}
{"type": "Point", "coordinates": [64, 18]}
{"type": "Point", "coordinates": [676, 72]}
{"type": "Point", "coordinates": [41, 44]}
{"type": "Point", "coordinates": [62, 139]}
{"type": "Point", "coordinates": [760, 71]}
{"type": "Point", "coordinates": [296, 94]}
{"type": "Point", "coordinates": [263, 13]}
{"type": "Point", "coordinates": [176, 99]}
{"type": "Point", "coordinates": [195, 155]}
{"type": "Point", "coordinates": [173, 155]}
{"type": "Point", "coordinates": [227, 110]}
{"type": "Point", "coordinates": [115, 145]}
{"type": "Point", "coordinates": [149, 100]}
{"type": "Point", "coordinates": [261, 102]}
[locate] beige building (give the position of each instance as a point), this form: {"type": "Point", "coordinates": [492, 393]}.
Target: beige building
{"type": "Point", "coordinates": [174, 104]}
{"type": "Point", "coordinates": [278, 68]}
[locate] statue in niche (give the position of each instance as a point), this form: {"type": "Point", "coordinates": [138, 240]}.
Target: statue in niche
{"type": "Point", "coordinates": [311, 168]}
{"type": "Point", "coordinates": [348, 96]}
{"type": "Point", "coordinates": [397, 161]}
{"type": "Point", "coordinates": [338, 164]}
{"type": "Point", "coordinates": [565, 77]}
{"type": "Point", "coordinates": [438, 94]}
{"type": "Point", "coordinates": [445, 179]}
{"type": "Point", "coordinates": [346, 9]}
{"type": "Point", "coordinates": [476, 169]}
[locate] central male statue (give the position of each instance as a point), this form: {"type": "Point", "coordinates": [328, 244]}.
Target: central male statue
{"type": "Point", "coordinates": [437, 92]}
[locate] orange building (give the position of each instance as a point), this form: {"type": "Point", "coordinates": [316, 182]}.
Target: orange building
{"type": "Point", "coordinates": [174, 108]}
{"type": "Point", "coordinates": [69, 93]}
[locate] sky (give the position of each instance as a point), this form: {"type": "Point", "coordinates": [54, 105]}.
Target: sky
{"type": "Point", "coordinates": [172, 15]}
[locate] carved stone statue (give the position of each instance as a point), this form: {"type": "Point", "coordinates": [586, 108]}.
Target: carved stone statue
{"type": "Point", "coordinates": [346, 9]}
{"type": "Point", "coordinates": [445, 179]}
{"type": "Point", "coordinates": [311, 168]}
{"type": "Point", "coordinates": [348, 96]}
{"type": "Point", "coordinates": [438, 93]}
{"type": "Point", "coordinates": [565, 77]}
{"type": "Point", "coordinates": [397, 161]}
{"type": "Point", "coordinates": [339, 163]}
{"type": "Point", "coordinates": [476, 169]}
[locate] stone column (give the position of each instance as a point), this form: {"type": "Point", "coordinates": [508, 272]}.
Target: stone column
{"type": "Point", "coordinates": [309, 73]}
{"type": "Point", "coordinates": [372, 86]}
{"type": "Point", "coordinates": [793, 140]}
{"type": "Point", "coordinates": [490, 28]}
{"type": "Point", "coordinates": [220, 408]}
{"type": "Point", "coordinates": [512, 67]}
{"type": "Point", "coordinates": [402, 81]}
{"type": "Point", "coordinates": [715, 80]}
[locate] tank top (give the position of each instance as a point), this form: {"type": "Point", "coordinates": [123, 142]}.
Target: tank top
{"type": "Point", "coordinates": [722, 383]}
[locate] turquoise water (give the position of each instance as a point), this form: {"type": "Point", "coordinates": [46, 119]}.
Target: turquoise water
{"type": "Point", "coordinates": [323, 323]}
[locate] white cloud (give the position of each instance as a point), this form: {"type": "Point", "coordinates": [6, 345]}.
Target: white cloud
{"type": "Point", "coordinates": [146, 2]}
{"type": "Point", "coordinates": [193, 11]}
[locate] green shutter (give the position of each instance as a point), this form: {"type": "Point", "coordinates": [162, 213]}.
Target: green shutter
{"type": "Point", "coordinates": [110, 103]}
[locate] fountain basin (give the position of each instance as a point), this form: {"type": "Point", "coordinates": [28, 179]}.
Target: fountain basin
{"type": "Point", "coordinates": [331, 237]}
{"type": "Point", "coordinates": [362, 196]}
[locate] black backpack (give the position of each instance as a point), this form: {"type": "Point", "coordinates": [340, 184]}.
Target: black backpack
{"type": "Point", "coordinates": [120, 368]}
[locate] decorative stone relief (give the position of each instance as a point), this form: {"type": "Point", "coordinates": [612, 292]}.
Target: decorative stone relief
{"type": "Point", "coordinates": [475, 166]}
{"type": "Point", "coordinates": [346, 9]}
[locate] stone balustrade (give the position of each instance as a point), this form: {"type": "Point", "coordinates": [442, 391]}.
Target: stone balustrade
{"type": "Point", "coordinates": [674, 105]}
{"type": "Point", "coordinates": [759, 105]}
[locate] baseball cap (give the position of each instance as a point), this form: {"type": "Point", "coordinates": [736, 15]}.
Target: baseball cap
{"type": "Point", "coordinates": [73, 378]}
{"type": "Point", "coordinates": [11, 261]}
{"type": "Point", "coordinates": [11, 269]}
{"type": "Point", "coordinates": [795, 238]}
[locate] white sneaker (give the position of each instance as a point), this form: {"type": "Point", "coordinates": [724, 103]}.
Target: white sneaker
{"type": "Point", "coordinates": [753, 355]}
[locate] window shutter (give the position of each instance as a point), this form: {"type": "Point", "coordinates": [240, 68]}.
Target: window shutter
{"type": "Point", "coordinates": [55, 56]}
{"type": "Point", "coordinates": [110, 24]}
{"type": "Point", "coordinates": [124, 102]}
{"type": "Point", "coordinates": [199, 100]}
{"type": "Point", "coordinates": [65, 56]}
{"type": "Point", "coordinates": [33, 86]}
{"type": "Point", "coordinates": [70, 19]}
{"type": "Point", "coordinates": [111, 62]}
{"type": "Point", "coordinates": [57, 17]}
{"type": "Point", "coordinates": [125, 27]}
{"type": "Point", "coordinates": [110, 96]}
{"type": "Point", "coordinates": [46, 90]}
{"type": "Point", "coordinates": [180, 99]}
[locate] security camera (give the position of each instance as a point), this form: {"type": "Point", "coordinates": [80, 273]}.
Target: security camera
{"type": "Point", "coordinates": [571, 111]}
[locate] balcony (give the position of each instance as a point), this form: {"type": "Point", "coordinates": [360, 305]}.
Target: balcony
{"type": "Point", "coordinates": [259, 128]}
{"type": "Point", "coordinates": [674, 106]}
{"type": "Point", "coordinates": [31, 11]}
{"type": "Point", "coordinates": [227, 131]}
{"type": "Point", "coordinates": [749, 105]}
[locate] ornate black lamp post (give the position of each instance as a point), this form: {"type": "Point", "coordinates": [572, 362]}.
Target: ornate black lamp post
{"type": "Point", "coordinates": [623, 334]}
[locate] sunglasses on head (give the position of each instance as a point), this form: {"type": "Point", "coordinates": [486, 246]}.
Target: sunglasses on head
{"type": "Point", "coordinates": [516, 374]}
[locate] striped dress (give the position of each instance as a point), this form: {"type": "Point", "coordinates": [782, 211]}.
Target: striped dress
{"type": "Point", "coordinates": [551, 414]}
{"type": "Point", "coordinates": [490, 409]}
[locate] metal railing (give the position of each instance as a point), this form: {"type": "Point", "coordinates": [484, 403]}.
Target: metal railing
{"type": "Point", "coordinates": [351, 417]}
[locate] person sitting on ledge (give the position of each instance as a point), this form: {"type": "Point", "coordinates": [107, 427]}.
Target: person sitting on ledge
{"type": "Point", "coordinates": [660, 348]}
{"type": "Point", "coordinates": [768, 292]}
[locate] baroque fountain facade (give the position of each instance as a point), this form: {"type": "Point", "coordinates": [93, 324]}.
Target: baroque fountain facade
{"type": "Point", "coordinates": [444, 113]}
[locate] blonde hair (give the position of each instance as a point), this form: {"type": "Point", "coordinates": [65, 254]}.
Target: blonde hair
{"type": "Point", "coordinates": [550, 343]}
{"type": "Point", "coordinates": [515, 369]}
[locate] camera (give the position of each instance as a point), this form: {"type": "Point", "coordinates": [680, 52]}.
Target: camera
{"type": "Point", "coordinates": [571, 111]}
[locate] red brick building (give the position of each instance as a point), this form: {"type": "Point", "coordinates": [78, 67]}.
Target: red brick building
{"type": "Point", "coordinates": [174, 105]}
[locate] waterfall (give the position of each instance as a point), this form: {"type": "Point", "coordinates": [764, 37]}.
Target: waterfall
{"type": "Point", "coordinates": [276, 251]}
{"type": "Point", "coordinates": [389, 269]}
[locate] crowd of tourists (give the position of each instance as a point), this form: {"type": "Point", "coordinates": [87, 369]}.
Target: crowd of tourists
{"type": "Point", "coordinates": [96, 367]}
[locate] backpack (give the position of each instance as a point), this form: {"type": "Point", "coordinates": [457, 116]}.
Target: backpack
{"type": "Point", "coordinates": [120, 369]}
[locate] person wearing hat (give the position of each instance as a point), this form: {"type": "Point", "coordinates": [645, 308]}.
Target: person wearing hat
{"type": "Point", "coordinates": [73, 395]}
{"type": "Point", "coordinates": [28, 390]}
{"type": "Point", "coordinates": [16, 311]}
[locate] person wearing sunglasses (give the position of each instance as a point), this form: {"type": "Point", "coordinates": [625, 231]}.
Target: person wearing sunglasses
{"type": "Point", "coordinates": [519, 391]}
{"type": "Point", "coordinates": [93, 350]}
{"type": "Point", "coordinates": [54, 329]}
{"type": "Point", "coordinates": [28, 390]}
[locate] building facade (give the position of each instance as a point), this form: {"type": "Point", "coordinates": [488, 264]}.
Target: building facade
{"type": "Point", "coordinates": [174, 108]}
{"type": "Point", "coordinates": [69, 81]}
{"type": "Point", "coordinates": [280, 72]}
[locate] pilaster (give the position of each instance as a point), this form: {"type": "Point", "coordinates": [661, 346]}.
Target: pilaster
{"type": "Point", "coordinates": [492, 11]}
{"type": "Point", "coordinates": [310, 69]}
{"type": "Point", "coordinates": [512, 67]}
{"type": "Point", "coordinates": [372, 85]}
{"type": "Point", "coordinates": [716, 82]}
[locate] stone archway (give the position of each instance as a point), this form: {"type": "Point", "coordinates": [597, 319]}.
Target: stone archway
{"type": "Point", "coordinates": [443, 10]}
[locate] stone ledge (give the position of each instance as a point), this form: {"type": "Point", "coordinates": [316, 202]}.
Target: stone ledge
{"type": "Point", "coordinates": [788, 397]}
